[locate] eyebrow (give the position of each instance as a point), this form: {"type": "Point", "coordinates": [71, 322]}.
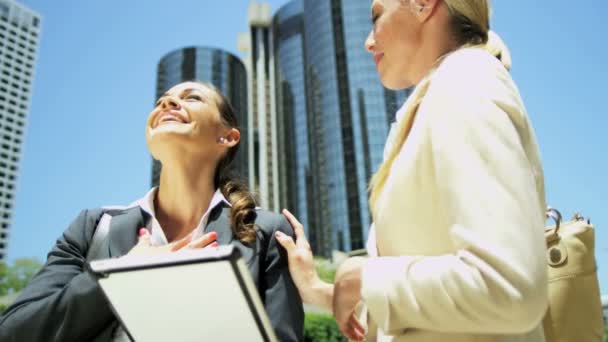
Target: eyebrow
{"type": "Point", "coordinates": [185, 91]}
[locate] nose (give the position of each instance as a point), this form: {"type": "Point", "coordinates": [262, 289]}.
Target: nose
{"type": "Point", "coordinates": [370, 42]}
{"type": "Point", "coordinates": [169, 102]}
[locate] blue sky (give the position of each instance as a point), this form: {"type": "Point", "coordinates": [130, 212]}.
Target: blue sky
{"type": "Point", "coordinates": [95, 79]}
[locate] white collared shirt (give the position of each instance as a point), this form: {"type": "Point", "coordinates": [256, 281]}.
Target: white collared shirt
{"type": "Point", "coordinates": [158, 237]}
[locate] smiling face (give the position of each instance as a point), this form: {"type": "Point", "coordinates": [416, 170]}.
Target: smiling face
{"type": "Point", "coordinates": [187, 116]}
{"type": "Point", "coordinates": [394, 41]}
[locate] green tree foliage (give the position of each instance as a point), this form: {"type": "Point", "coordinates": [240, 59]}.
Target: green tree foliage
{"type": "Point", "coordinates": [325, 269]}
{"type": "Point", "coordinates": [13, 278]}
{"type": "Point", "coordinates": [19, 274]}
{"type": "Point", "coordinates": [3, 274]}
{"type": "Point", "coordinates": [321, 328]}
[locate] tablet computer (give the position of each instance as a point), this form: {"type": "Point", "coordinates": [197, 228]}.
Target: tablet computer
{"type": "Point", "coordinates": [198, 295]}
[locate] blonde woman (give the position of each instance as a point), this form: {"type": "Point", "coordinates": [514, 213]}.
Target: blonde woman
{"type": "Point", "coordinates": [458, 203]}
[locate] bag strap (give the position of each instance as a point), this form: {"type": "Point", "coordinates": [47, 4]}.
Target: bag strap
{"type": "Point", "coordinates": [101, 232]}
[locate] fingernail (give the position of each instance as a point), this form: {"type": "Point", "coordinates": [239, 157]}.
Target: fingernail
{"type": "Point", "coordinates": [215, 244]}
{"type": "Point", "coordinates": [213, 235]}
{"type": "Point", "coordinates": [142, 231]}
{"type": "Point", "coordinates": [278, 234]}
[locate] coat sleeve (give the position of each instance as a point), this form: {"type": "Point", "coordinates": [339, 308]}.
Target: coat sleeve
{"type": "Point", "coordinates": [62, 302]}
{"type": "Point", "coordinates": [282, 299]}
{"type": "Point", "coordinates": [495, 280]}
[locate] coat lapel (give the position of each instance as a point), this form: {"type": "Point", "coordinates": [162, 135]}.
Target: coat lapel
{"type": "Point", "coordinates": [123, 231]}
{"type": "Point", "coordinates": [219, 222]}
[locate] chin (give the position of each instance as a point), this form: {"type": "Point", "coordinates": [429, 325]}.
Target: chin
{"type": "Point", "coordinates": [170, 128]}
{"type": "Point", "coordinates": [395, 84]}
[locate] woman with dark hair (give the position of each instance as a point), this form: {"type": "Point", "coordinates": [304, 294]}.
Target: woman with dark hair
{"type": "Point", "coordinates": [194, 133]}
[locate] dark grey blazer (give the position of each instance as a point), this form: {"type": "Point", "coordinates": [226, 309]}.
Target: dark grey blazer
{"type": "Point", "coordinates": [64, 303]}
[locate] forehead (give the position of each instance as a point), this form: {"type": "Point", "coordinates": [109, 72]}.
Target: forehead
{"type": "Point", "coordinates": [176, 89]}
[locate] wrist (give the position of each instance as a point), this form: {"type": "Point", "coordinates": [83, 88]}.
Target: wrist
{"type": "Point", "coordinates": [320, 294]}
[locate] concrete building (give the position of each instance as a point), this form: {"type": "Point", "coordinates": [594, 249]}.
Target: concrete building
{"type": "Point", "coordinates": [20, 29]}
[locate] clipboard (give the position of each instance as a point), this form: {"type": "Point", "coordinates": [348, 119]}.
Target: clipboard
{"type": "Point", "coordinates": [198, 295]}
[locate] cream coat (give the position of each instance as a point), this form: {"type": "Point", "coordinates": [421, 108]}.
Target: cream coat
{"type": "Point", "coordinates": [459, 224]}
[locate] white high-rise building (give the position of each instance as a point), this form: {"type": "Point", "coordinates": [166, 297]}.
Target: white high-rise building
{"type": "Point", "coordinates": [262, 117]}
{"type": "Point", "coordinates": [19, 36]}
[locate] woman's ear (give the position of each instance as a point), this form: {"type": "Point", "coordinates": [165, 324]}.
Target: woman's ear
{"type": "Point", "coordinates": [423, 9]}
{"type": "Point", "coordinates": [232, 137]}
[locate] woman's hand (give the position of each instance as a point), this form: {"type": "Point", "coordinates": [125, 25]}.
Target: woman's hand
{"type": "Point", "coordinates": [144, 246]}
{"type": "Point", "coordinates": [347, 295]}
{"type": "Point", "coordinates": [302, 267]}
{"type": "Point", "coordinates": [315, 291]}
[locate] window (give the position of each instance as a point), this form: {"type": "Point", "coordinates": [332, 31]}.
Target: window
{"type": "Point", "coordinates": [35, 22]}
{"type": "Point", "coordinates": [4, 10]}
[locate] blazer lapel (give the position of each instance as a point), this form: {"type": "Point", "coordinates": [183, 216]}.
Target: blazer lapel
{"type": "Point", "coordinates": [219, 222]}
{"type": "Point", "coordinates": [123, 231]}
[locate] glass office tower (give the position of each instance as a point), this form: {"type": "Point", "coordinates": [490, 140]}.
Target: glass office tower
{"type": "Point", "coordinates": [348, 116]}
{"type": "Point", "coordinates": [294, 148]}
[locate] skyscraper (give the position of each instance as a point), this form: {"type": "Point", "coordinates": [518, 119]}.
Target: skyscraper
{"type": "Point", "coordinates": [19, 36]}
{"type": "Point", "coordinates": [348, 117]}
{"type": "Point", "coordinates": [293, 145]}
{"type": "Point", "coordinates": [264, 160]}
{"type": "Point", "coordinates": [219, 68]}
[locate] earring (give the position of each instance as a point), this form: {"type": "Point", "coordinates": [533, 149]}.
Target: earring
{"type": "Point", "coordinates": [222, 140]}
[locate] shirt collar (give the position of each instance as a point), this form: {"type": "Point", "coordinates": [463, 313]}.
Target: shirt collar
{"type": "Point", "coordinates": [146, 203]}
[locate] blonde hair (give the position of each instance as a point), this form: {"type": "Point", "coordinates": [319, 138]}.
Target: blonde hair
{"type": "Point", "coordinates": [471, 27]}
{"type": "Point", "coordinates": [470, 23]}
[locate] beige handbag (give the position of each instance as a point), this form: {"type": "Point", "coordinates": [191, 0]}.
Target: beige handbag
{"type": "Point", "coordinates": [575, 310]}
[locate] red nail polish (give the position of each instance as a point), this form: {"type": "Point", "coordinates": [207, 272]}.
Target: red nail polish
{"type": "Point", "coordinates": [215, 244]}
{"type": "Point", "coordinates": [213, 235]}
{"type": "Point", "coordinates": [142, 231]}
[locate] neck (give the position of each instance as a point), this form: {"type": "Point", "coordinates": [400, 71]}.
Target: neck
{"type": "Point", "coordinates": [184, 194]}
{"type": "Point", "coordinates": [439, 44]}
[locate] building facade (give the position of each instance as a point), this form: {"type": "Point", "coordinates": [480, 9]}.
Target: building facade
{"type": "Point", "coordinates": [294, 164]}
{"type": "Point", "coordinates": [332, 117]}
{"type": "Point", "coordinates": [257, 44]}
{"type": "Point", "coordinates": [217, 67]}
{"type": "Point", "coordinates": [20, 29]}
{"type": "Point", "coordinates": [349, 112]}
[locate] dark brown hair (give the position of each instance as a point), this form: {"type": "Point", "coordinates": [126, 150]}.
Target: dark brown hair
{"type": "Point", "coordinates": [242, 213]}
